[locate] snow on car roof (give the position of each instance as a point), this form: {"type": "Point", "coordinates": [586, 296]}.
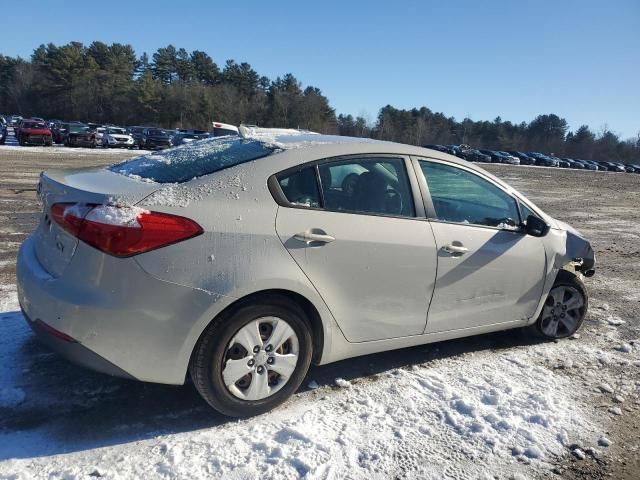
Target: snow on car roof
{"type": "Point", "coordinates": [289, 138]}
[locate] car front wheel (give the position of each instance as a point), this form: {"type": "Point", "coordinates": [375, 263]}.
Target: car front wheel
{"type": "Point", "coordinates": [565, 307]}
{"type": "Point", "coordinates": [250, 361]}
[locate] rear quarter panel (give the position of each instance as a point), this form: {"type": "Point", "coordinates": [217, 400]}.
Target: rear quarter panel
{"type": "Point", "coordinates": [239, 252]}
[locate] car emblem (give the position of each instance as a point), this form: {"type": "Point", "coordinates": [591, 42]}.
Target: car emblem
{"type": "Point", "coordinates": [60, 246]}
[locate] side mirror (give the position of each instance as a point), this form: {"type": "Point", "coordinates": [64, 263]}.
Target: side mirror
{"type": "Point", "coordinates": [536, 227]}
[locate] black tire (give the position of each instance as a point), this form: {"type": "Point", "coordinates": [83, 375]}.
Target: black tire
{"type": "Point", "coordinates": [207, 359]}
{"type": "Point", "coordinates": [570, 280]}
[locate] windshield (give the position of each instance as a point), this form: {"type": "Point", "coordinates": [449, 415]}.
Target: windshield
{"type": "Point", "coordinates": [156, 131]}
{"type": "Point", "coordinates": [78, 129]}
{"type": "Point", "coordinates": [120, 131]}
{"type": "Point", "coordinates": [193, 159]}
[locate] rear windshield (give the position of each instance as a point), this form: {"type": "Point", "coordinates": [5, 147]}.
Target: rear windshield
{"type": "Point", "coordinates": [194, 159]}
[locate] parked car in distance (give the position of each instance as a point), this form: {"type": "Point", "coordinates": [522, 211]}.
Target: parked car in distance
{"type": "Point", "coordinates": [15, 120]}
{"type": "Point", "coordinates": [34, 132]}
{"type": "Point", "coordinates": [80, 136]}
{"type": "Point", "coordinates": [136, 133]}
{"type": "Point", "coordinates": [187, 137]}
{"type": "Point", "coordinates": [574, 163]}
{"type": "Point", "coordinates": [591, 165]}
{"type": "Point", "coordinates": [59, 131]}
{"type": "Point", "coordinates": [155, 139]}
{"type": "Point", "coordinates": [523, 157]}
{"type": "Point", "coordinates": [439, 148]}
{"type": "Point", "coordinates": [244, 300]}
{"type": "Point", "coordinates": [117, 137]}
{"type": "Point", "coordinates": [474, 155]}
{"type": "Point", "coordinates": [543, 160]}
{"type": "Point", "coordinates": [509, 159]}
{"type": "Point", "coordinates": [100, 131]}
{"type": "Point", "coordinates": [614, 167]}
{"type": "Point", "coordinates": [501, 157]}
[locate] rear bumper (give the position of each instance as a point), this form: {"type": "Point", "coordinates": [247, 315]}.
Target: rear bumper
{"type": "Point", "coordinates": [121, 320]}
{"type": "Point", "coordinates": [74, 351]}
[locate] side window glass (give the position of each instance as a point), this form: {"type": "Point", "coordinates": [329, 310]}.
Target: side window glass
{"type": "Point", "coordinates": [376, 185]}
{"type": "Point", "coordinates": [301, 187]}
{"type": "Point", "coordinates": [462, 197]}
{"type": "Point", "coordinates": [525, 212]}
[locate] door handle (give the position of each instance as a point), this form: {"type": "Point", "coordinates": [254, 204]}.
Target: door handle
{"type": "Point", "coordinates": [311, 236]}
{"type": "Point", "coordinates": [456, 247]}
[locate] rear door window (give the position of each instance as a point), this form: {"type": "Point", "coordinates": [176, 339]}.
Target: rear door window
{"type": "Point", "coordinates": [378, 186]}
{"type": "Point", "coordinates": [301, 188]}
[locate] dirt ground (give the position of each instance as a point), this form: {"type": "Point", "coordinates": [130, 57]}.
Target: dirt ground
{"type": "Point", "coordinates": [603, 206]}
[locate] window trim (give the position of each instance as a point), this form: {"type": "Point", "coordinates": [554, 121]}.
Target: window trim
{"type": "Point", "coordinates": [278, 195]}
{"type": "Point", "coordinates": [431, 215]}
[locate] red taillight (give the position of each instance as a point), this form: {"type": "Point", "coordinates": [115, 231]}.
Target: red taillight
{"type": "Point", "coordinates": [69, 216]}
{"type": "Point", "coordinates": [123, 231]}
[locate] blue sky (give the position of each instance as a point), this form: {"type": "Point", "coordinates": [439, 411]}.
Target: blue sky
{"type": "Point", "coordinates": [516, 59]}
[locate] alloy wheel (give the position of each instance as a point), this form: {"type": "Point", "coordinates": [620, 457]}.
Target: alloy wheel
{"type": "Point", "coordinates": [562, 312]}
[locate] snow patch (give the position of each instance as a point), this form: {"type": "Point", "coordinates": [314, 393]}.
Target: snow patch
{"type": "Point", "coordinates": [342, 383]}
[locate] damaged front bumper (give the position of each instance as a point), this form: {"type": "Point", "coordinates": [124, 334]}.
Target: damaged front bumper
{"type": "Point", "coordinates": [579, 250]}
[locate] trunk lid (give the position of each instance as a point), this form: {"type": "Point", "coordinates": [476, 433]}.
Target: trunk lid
{"type": "Point", "coordinates": [54, 246]}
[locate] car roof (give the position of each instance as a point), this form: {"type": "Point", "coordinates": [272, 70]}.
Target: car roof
{"type": "Point", "coordinates": [300, 146]}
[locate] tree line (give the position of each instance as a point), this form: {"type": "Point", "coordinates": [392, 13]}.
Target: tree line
{"type": "Point", "coordinates": [176, 88]}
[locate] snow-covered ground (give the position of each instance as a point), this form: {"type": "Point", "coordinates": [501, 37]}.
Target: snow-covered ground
{"type": "Point", "coordinates": [494, 405]}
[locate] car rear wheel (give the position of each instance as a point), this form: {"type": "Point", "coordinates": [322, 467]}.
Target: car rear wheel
{"type": "Point", "coordinates": [251, 360]}
{"type": "Point", "coordinates": [565, 307]}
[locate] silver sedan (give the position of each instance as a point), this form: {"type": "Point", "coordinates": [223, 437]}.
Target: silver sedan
{"type": "Point", "coordinates": [242, 260]}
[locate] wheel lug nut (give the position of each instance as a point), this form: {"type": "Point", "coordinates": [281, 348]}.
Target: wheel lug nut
{"type": "Point", "coordinates": [269, 348]}
{"type": "Point", "coordinates": [251, 363]}
{"type": "Point", "coordinates": [256, 349]}
{"type": "Point", "coordinates": [260, 369]}
{"type": "Point", "coordinates": [270, 360]}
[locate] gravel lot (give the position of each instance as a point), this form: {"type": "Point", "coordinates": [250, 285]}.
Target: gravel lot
{"type": "Point", "coordinates": [602, 366]}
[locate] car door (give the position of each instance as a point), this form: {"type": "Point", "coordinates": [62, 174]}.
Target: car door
{"type": "Point", "coordinates": [357, 230]}
{"type": "Point", "coordinates": [489, 270]}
